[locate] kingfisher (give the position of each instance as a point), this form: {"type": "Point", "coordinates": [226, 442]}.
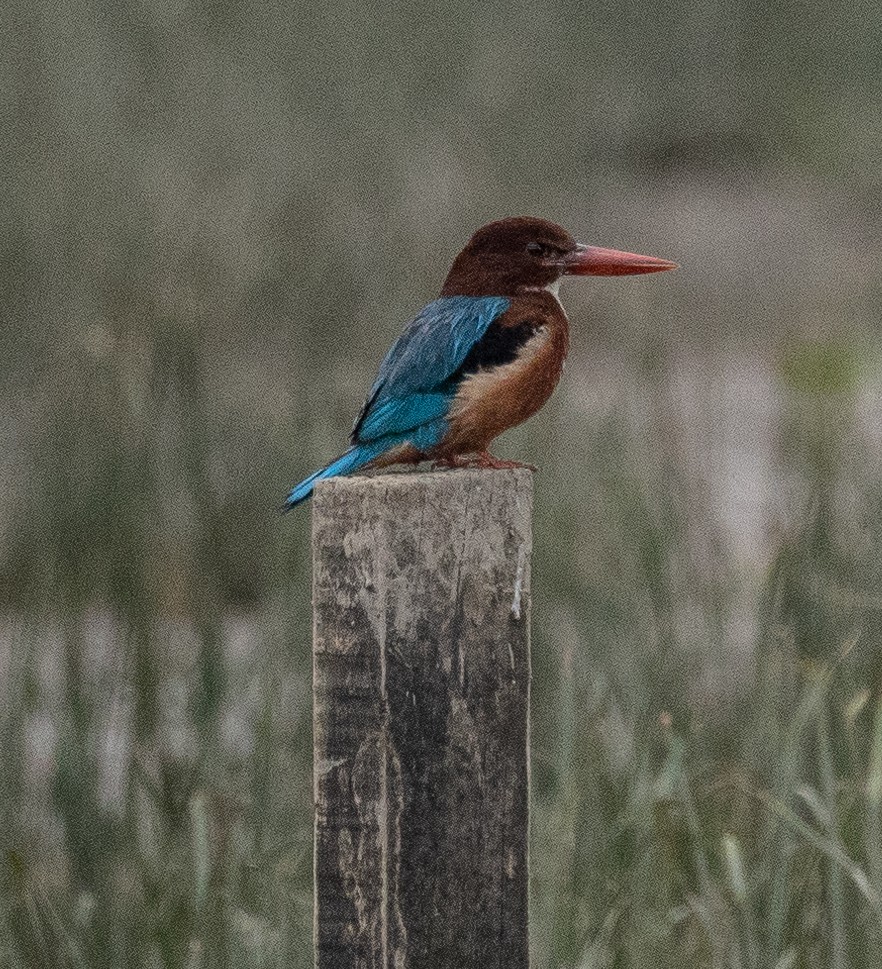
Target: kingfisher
{"type": "Point", "coordinates": [480, 359]}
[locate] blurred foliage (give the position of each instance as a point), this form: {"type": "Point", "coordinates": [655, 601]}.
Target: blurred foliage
{"type": "Point", "coordinates": [217, 218]}
{"type": "Point", "coordinates": [823, 368]}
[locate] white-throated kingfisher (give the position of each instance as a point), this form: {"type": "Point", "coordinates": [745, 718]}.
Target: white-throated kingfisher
{"type": "Point", "coordinates": [481, 358]}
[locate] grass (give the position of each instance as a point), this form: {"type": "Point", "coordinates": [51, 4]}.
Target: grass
{"type": "Point", "coordinates": [156, 697]}
{"type": "Point", "coordinates": [217, 214]}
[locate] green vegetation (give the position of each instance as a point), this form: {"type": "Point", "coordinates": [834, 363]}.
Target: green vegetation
{"type": "Point", "coordinates": [218, 216]}
{"type": "Point", "coordinates": [731, 823]}
{"type": "Point", "coordinates": [689, 811]}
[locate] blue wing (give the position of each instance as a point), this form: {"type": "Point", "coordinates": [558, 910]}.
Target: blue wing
{"type": "Point", "coordinates": [409, 400]}
{"type": "Point", "coordinates": [413, 388]}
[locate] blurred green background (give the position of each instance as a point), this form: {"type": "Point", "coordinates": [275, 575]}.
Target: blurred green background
{"type": "Point", "coordinates": [217, 216]}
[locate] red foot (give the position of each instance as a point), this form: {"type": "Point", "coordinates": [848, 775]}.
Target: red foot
{"type": "Point", "coordinates": [483, 459]}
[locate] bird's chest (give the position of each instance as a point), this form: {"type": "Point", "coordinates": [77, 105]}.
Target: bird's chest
{"type": "Point", "coordinates": [495, 398]}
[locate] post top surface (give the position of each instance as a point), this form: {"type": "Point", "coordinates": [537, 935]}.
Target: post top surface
{"type": "Point", "coordinates": [459, 479]}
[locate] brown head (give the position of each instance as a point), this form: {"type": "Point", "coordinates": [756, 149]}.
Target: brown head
{"type": "Point", "coordinates": [521, 254]}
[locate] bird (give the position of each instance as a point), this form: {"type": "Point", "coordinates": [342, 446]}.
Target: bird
{"type": "Point", "coordinates": [480, 359]}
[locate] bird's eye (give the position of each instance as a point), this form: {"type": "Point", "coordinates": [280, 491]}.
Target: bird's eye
{"type": "Point", "coordinates": [536, 248]}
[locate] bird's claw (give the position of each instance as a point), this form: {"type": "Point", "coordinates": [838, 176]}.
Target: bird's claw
{"type": "Point", "coordinates": [486, 460]}
{"type": "Point", "coordinates": [483, 459]}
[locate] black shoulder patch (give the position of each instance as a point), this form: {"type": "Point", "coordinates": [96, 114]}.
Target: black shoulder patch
{"type": "Point", "coordinates": [498, 346]}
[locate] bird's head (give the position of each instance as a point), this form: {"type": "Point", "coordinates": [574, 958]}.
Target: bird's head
{"type": "Point", "coordinates": [521, 254]}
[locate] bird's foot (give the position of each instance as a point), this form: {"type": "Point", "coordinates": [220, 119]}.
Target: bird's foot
{"type": "Point", "coordinates": [455, 461]}
{"type": "Point", "coordinates": [482, 459]}
{"type": "Point", "coordinates": [486, 460]}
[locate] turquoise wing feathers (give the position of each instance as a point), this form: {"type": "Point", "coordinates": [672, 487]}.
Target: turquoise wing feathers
{"type": "Point", "coordinates": [413, 385]}
{"type": "Point", "coordinates": [416, 383]}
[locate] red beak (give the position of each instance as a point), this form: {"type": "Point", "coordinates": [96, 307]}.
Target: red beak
{"type": "Point", "coordinates": [594, 261]}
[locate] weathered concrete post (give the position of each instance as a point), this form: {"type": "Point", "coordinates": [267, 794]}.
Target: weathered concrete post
{"type": "Point", "coordinates": [421, 604]}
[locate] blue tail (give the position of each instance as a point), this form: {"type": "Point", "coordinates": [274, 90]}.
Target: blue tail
{"type": "Point", "coordinates": [355, 458]}
{"type": "Point", "coordinates": [423, 437]}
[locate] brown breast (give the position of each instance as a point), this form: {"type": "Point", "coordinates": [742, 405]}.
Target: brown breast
{"type": "Point", "coordinates": [494, 399]}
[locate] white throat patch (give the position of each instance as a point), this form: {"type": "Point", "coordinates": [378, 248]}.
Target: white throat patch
{"type": "Point", "coordinates": [553, 288]}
